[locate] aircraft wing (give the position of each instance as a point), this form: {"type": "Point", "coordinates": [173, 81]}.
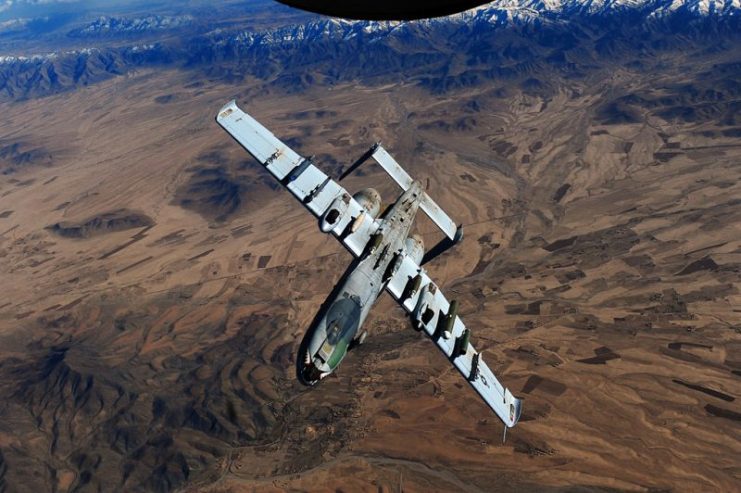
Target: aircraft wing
{"type": "Point", "coordinates": [429, 310]}
{"type": "Point", "coordinates": [316, 191]}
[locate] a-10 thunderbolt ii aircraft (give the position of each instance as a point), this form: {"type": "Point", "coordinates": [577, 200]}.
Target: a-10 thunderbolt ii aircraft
{"type": "Point", "coordinates": [386, 257]}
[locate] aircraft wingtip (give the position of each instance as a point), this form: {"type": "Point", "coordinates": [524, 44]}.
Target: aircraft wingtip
{"type": "Point", "coordinates": [517, 412]}
{"type": "Point", "coordinates": [226, 109]}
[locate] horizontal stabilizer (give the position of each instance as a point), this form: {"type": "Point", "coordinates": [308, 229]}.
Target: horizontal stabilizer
{"type": "Point", "coordinates": [440, 218]}
{"type": "Point", "coordinates": [403, 179]}
{"type": "Point", "coordinates": [393, 168]}
{"type": "Point", "coordinates": [428, 205]}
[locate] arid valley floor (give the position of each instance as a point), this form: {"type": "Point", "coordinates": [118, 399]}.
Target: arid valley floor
{"type": "Point", "coordinates": [156, 284]}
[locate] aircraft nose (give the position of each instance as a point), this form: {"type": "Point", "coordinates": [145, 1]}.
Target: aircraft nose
{"type": "Point", "coordinates": [308, 375]}
{"type": "Point", "coordinates": [310, 372]}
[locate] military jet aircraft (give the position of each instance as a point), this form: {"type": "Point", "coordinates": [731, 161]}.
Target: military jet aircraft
{"type": "Point", "coordinates": [386, 257]}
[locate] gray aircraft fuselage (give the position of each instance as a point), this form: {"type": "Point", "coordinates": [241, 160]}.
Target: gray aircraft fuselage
{"type": "Point", "coordinates": [338, 322]}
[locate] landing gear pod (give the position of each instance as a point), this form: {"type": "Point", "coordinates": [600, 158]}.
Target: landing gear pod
{"type": "Point", "coordinates": [335, 213]}
{"type": "Point", "coordinates": [425, 313]}
{"type": "Point", "coordinates": [415, 248]}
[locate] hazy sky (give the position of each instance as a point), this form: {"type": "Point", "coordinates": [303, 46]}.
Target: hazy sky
{"type": "Point", "coordinates": [19, 4]}
{"type": "Point", "coordinates": [36, 8]}
{"type": "Point", "coordinates": [14, 9]}
{"type": "Point", "coordinates": [39, 7]}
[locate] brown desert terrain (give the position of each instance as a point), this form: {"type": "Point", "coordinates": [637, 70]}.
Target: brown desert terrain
{"type": "Point", "coordinates": [156, 284]}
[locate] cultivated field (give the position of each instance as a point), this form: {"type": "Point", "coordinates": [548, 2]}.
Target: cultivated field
{"type": "Point", "coordinates": [156, 284]}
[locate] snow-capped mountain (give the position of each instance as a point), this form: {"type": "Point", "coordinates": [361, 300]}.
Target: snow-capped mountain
{"type": "Point", "coordinates": [114, 25]}
{"type": "Point", "coordinates": [511, 12]}
{"type": "Point", "coordinates": [563, 33]}
{"type": "Point", "coordinates": [567, 8]}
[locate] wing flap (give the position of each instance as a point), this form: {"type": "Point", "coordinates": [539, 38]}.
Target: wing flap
{"type": "Point", "coordinates": [481, 378]}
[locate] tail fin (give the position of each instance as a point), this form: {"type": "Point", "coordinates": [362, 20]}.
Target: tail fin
{"type": "Point", "coordinates": [402, 178]}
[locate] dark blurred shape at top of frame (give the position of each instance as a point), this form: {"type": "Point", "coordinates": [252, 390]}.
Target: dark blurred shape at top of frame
{"type": "Point", "coordinates": [384, 9]}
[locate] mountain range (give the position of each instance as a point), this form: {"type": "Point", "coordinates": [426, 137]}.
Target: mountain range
{"type": "Point", "coordinates": [573, 32]}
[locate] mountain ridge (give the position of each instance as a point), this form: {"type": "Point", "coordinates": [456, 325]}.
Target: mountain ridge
{"type": "Point", "coordinates": [416, 46]}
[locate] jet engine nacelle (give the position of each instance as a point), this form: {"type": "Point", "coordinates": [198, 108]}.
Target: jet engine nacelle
{"type": "Point", "coordinates": [334, 214]}
{"type": "Point", "coordinates": [370, 200]}
{"type": "Point", "coordinates": [415, 248]}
